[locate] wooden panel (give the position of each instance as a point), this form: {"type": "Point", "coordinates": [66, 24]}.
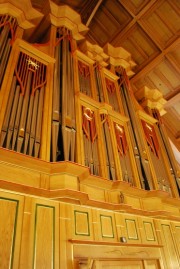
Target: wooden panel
{"type": "Point", "coordinates": [8, 222]}
{"type": "Point", "coordinates": [106, 226]}
{"type": "Point", "coordinates": [149, 231]}
{"type": "Point", "coordinates": [95, 195]}
{"type": "Point", "coordinates": [10, 226]}
{"type": "Point", "coordinates": [152, 264]}
{"type": "Point", "coordinates": [177, 237]}
{"type": "Point", "coordinates": [97, 31]}
{"type": "Point", "coordinates": [118, 12]}
{"type": "Point", "coordinates": [164, 77]}
{"type": "Point", "coordinates": [139, 45]}
{"type": "Point", "coordinates": [162, 23]}
{"type": "Point", "coordinates": [172, 125]}
{"type": "Point", "coordinates": [44, 237]}
{"type": "Point", "coordinates": [120, 264]}
{"type": "Point", "coordinates": [81, 219]}
{"type": "Point", "coordinates": [22, 174]}
{"type": "Point", "coordinates": [133, 200]}
{"type": "Point", "coordinates": [134, 6]}
{"type": "Point", "coordinates": [171, 254]}
{"type": "Point", "coordinates": [131, 229]}
{"type": "Point", "coordinates": [110, 18]}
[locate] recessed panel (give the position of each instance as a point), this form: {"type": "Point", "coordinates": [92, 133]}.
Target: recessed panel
{"type": "Point", "coordinates": [162, 22]}
{"type": "Point", "coordinates": [149, 232]}
{"type": "Point", "coordinates": [106, 226]}
{"type": "Point", "coordinates": [170, 246]}
{"type": "Point", "coordinates": [131, 229]}
{"type": "Point", "coordinates": [177, 236]}
{"type": "Point", "coordinates": [139, 44]}
{"type": "Point", "coordinates": [81, 223]}
{"type": "Point", "coordinates": [8, 219]}
{"type": "Point", "coordinates": [44, 237]}
{"type": "Point", "coordinates": [134, 5]}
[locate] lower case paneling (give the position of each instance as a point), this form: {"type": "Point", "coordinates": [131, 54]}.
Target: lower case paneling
{"type": "Point", "coordinates": [170, 247]}
{"type": "Point", "coordinates": [44, 237]}
{"type": "Point", "coordinates": [152, 264]}
{"type": "Point", "coordinates": [10, 229]}
{"type": "Point", "coordinates": [8, 224]}
{"type": "Point", "coordinates": [177, 236]}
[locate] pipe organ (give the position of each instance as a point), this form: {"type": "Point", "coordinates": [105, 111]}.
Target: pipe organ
{"type": "Point", "coordinates": [22, 124]}
{"type": "Point", "coordinates": [84, 167]}
{"type": "Point", "coordinates": [63, 115]}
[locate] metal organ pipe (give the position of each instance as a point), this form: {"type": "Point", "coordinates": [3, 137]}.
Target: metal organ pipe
{"type": "Point", "coordinates": [63, 114]}
{"type": "Point", "coordinates": [24, 107]}
{"type": "Point", "coordinates": [8, 26]}
{"type": "Point", "coordinates": [142, 164]}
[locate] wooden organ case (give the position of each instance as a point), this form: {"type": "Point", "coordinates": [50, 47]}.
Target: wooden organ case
{"type": "Point", "coordinates": [87, 178]}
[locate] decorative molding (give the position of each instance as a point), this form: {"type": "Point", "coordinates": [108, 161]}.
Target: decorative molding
{"type": "Point", "coordinates": [65, 16]}
{"type": "Point", "coordinates": [94, 52]}
{"type": "Point", "coordinates": [151, 226]}
{"type": "Point", "coordinates": [18, 9]}
{"type": "Point", "coordinates": [151, 98]}
{"type": "Point", "coordinates": [105, 227]}
{"type": "Point", "coordinates": [130, 222]}
{"type": "Point", "coordinates": [13, 235]}
{"type": "Point", "coordinates": [120, 57]}
{"type": "Point", "coordinates": [39, 174]}
{"type": "Point", "coordinates": [86, 215]}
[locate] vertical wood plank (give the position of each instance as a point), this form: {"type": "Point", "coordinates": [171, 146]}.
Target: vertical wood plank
{"type": "Point", "coordinates": [44, 237]}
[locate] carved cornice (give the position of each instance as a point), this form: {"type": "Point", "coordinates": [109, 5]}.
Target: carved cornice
{"type": "Point", "coordinates": [94, 52]}
{"type": "Point", "coordinates": [151, 98]}
{"type": "Point", "coordinates": [65, 16]}
{"type": "Point", "coordinates": [120, 57]}
{"type": "Point", "coordinates": [18, 9]}
{"type": "Point", "coordinates": [61, 181]}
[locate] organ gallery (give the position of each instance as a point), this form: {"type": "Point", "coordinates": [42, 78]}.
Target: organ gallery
{"type": "Point", "coordinates": [87, 175]}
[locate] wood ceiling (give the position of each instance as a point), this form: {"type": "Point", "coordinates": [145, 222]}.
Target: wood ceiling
{"type": "Point", "coordinates": [149, 30]}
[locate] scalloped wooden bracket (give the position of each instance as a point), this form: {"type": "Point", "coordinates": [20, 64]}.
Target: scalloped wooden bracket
{"type": "Point", "coordinates": [65, 16]}
{"type": "Point", "coordinates": [151, 98]}
{"type": "Point", "coordinates": [120, 57]}
{"type": "Point", "coordinates": [18, 9]}
{"type": "Point", "coordinates": [94, 52]}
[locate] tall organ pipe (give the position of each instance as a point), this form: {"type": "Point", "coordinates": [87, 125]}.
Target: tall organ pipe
{"type": "Point", "coordinates": [160, 126]}
{"type": "Point", "coordinates": [63, 114]}
{"type": "Point", "coordinates": [142, 164]}
{"type": "Point", "coordinates": [8, 26]}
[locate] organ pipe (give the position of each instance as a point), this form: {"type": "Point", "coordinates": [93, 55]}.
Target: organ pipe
{"type": "Point", "coordinates": [8, 26]}
{"type": "Point", "coordinates": [123, 153]}
{"type": "Point", "coordinates": [21, 129]}
{"type": "Point", "coordinates": [110, 163]}
{"type": "Point", "coordinates": [142, 163]}
{"type": "Point", "coordinates": [63, 114]}
{"type": "Point", "coordinates": [90, 139]}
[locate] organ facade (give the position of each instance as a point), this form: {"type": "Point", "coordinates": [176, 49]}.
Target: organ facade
{"type": "Point", "coordinates": [87, 175]}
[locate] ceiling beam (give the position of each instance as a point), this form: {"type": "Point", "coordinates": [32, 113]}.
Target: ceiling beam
{"type": "Point", "coordinates": [123, 34]}
{"type": "Point", "coordinates": [155, 61]}
{"type": "Point", "coordinates": [172, 94]}
{"type": "Point", "coordinates": [173, 100]}
{"type": "Point", "coordinates": [142, 11]}
{"type": "Point", "coordinates": [93, 12]}
{"type": "Point", "coordinates": [89, 10]}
